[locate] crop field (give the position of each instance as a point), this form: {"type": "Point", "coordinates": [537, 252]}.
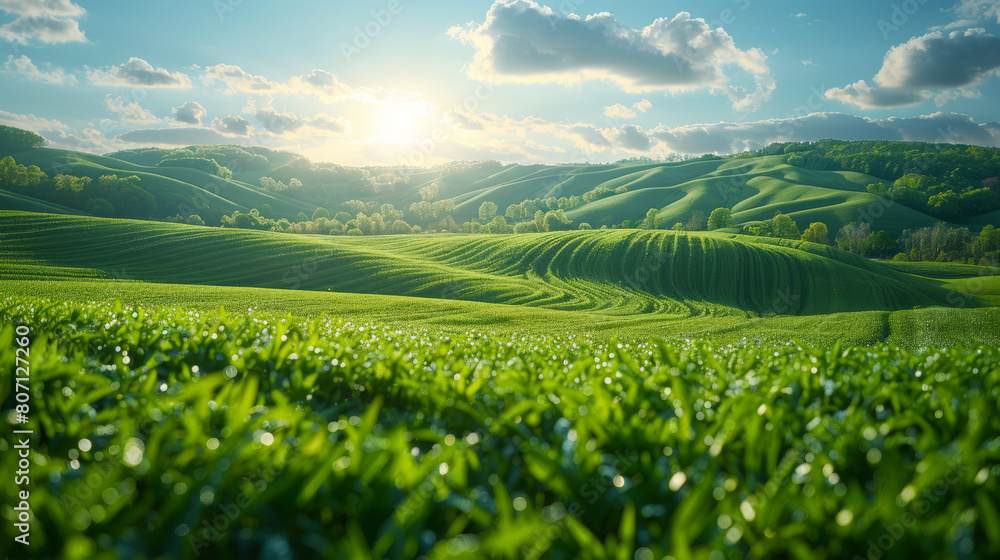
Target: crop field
{"type": "Point", "coordinates": [174, 433]}
{"type": "Point", "coordinates": [614, 272]}
{"type": "Point", "coordinates": [609, 394]}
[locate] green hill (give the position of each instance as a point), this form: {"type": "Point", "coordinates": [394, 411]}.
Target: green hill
{"type": "Point", "coordinates": [611, 272]}
{"type": "Point", "coordinates": [753, 186]}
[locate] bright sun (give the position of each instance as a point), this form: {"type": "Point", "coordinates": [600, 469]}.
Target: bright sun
{"type": "Point", "coordinates": [399, 122]}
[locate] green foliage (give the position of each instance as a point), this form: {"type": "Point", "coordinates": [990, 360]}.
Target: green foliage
{"type": "Point", "coordinates": [784, 227]}
{"type": "Point", "coordinates": [14, 176]}
{"type": "Point", "coordinates": [486, 211]}
{"type": "Point", "coordinates": [321, 213]}
{"type": "Point", "coordinates": [651, 214]}
{"type": "Point", "coordinates": [817, 232]}
{"type": "Point", "coordinates": [854, 238]}
{"type": "Point", "coordinates": [331, 438]}
{"type": "Point", "coordinates": [71, 183]}
{"type": "Point", "coordinates": [697, 221]}
{"type": "Point", "coordinates": [201, 164]}
{"type": "Point", "coordinates": [429, 193]}
{"type": "Point", "coordinates": [720, 218]}
{"type": "Point", "coordinates": [881, 244]}
{"type": "Point", "coordinates": [100, 207]}
{"type": "Point", "coordinates": [130, 199]}
{"type": "Point", "coordinates": [13, 139]}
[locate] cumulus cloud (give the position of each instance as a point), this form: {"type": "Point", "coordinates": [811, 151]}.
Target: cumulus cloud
{"type": "Point", "coordinates": [59, 134]}
{"type": "Point", "coordinates": [63, 8]}
{"type": "Point", "coordinates": [232, 125]}
{"type": "Point", "coordinates": [238, 80]}
{"type": "Point", "coordinates": [586, 137]}
{"type": "Point", "coordinates": [619, 111]}
{"type": "Point", "coordinates": [464, 121]}
{"type": "Point", "coordinates": [318, 83]}
{"type": "Point", "coordinates": [912, 71]}
{"type": "Point", "coordinates": [631, 137]}
{"type": "Point", "coordinates": [642, 106]}
{"type": "Point", "coordinates": [190, 113]}
{"type": "Point", "coordinates": [129, 112]}
{"type": "Point", "coordinates": [23, 67]}
{"type": "Point", "coordinates": [729, 137]}
{"type": "Point", "coordinates": [864, 96]}
{"type": "Point", "coordinates": [935, 60]}
{"type": "Point", "coordinates": [35, 124]}
{"type": "Point", "coordinates": [42, 29]}
{"type": "Point", "coordinates": [174, 137]}
{"type": "Point", "coordinates": [522, 41]}
{"type": "Point", "coordinates": [978, 10]}
{"type": "Point", "coordinates": [137, 73]}
{"type": "Point", "coordinates": [321, 84]}
{"type": "Point", "coordinates": [289, 124]}
{"type": "Point", "coordinates": [941, 127]}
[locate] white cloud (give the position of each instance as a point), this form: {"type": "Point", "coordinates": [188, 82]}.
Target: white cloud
{"type": "Point", "coordinates": [63, 8]}
{"type": "Point", "coordinates": [232, 125]}
{"type": "Point", "coordinates": [290, 125]}
{"type": "Point", "coordinates": [941, 127]}
{"type": "Point", "coordinates": [521, 41]}
{"type": "Point", "coordinates": [977, 10]}
{"type": "Point", "coordinates": [935, 60]}
{"type": "Point", "coordinates": [729, 137]}
{"type": "Point", "coordinates": [58, 134]}
{"type": "Point", "coordinates": [619, 111]}
{"type": "Point", "coordinates": [129, 112]}
{"type": "Point", "coordinates": [320, 83]}
{"type": "Point", "coordinates": [238, 80]}
{"type": "Point", "coordinates": [913, 71]}
{"type": "Point", "coordinates": [864, 96]}
{"type": "Point", "coordinates": [42, 29]}
{"type": "Point", "coordinates": [174, 137]}
{"type": "Point", "coordinates": [631, 137]}
{"type": "Point", "coordinates": [190, 113]}
{"type": "Point", "coordinates": [642, 106]}
{"type": "Point", "coordinates": [24, 68]}
{"type": "Point", "coordinates": [31, 122]}
{"type": "Point", "coordinates": [586, 137]}
{"type": "Point", "coordinates": [137, 73]}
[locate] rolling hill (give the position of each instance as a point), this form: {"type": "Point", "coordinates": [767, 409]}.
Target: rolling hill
{"type": "Point", "coordinates": [754, 188]}
{"type": "Point", "coordinates": [611, 272]}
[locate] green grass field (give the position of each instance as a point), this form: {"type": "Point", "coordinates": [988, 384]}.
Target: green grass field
{"type": "Point", "coordinates": [613, 272]}
{"type": "Point", "coordinates": [179, 433]}
{"type": "Point", "coordinates": [607, 394]}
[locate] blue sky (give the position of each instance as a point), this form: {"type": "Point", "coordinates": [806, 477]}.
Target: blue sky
{"type": "Point", "coordinates": [421, 83]}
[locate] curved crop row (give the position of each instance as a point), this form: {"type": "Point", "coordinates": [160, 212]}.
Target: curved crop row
{"type": "Point", "coordinates": [616, 272]}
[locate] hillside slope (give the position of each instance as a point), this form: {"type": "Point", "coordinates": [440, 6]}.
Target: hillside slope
{"type": "Point", "coordinates": [754, 188]}
{"type": "Point", "coordinates": [612, 272]}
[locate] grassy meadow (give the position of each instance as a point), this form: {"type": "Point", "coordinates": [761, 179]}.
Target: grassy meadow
{"type": "Point", "coordinates": [616, 393]}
